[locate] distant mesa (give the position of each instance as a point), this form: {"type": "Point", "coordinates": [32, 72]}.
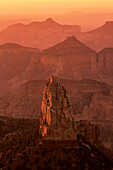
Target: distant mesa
{"type": "Point", "coordinates": [109, 23]}
{"type": "Point", "coordinates": [107, 27]}
{"type": "Point", "coordinates": [106, 51]}
{"type": "Point", "coordinates": [10, 45]}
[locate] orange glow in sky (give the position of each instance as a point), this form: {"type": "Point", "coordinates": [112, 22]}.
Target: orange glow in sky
{"type": "Point", "coordinates": [54, 6]}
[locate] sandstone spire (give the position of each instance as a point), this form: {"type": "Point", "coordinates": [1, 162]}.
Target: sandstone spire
{"type": "Point", "coordinates": [56, 119]}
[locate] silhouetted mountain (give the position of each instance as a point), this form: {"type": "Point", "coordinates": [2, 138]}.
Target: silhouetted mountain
{"type": "Point", "coordinates": [99, 38]}
{"type": "Point", "coordinates": [38, 34]}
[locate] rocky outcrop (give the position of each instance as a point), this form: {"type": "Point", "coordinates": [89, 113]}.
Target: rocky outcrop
{"type": "Point", "coordinates": [56, 119]}
{"type": "Point", "coordinates": [90, 131]}
{"type": "Point", "coordinates": [100, 112]}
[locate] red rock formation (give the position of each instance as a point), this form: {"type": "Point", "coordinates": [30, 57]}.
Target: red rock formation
{"type": "Point", "coordinates": [56, 119]}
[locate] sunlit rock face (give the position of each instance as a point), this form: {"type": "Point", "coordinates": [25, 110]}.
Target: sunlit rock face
{"type": "Point", "coordinates": [56, 119]}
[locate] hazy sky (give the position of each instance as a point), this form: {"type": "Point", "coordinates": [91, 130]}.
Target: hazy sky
{"type": "Point", "coordinates": [54, 6]}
